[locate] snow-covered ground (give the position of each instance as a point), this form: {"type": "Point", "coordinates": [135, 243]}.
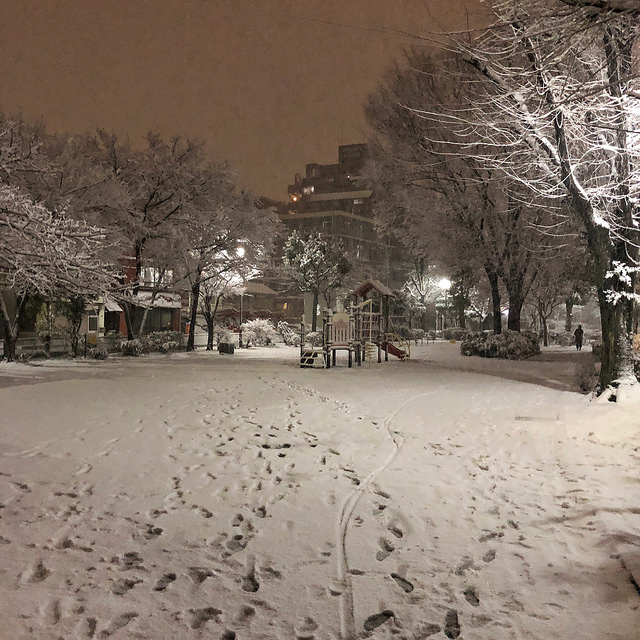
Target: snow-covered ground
{"type": "Point", "coordinates": [239, 496]}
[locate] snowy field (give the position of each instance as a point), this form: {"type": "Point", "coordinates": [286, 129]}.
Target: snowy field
{"type": "Point", "coordinates": [239, 496]}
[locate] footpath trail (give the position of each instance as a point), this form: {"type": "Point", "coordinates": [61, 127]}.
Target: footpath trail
{"type": "Point", "coordinates": [244, 498]}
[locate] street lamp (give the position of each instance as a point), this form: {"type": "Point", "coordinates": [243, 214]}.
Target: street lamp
{"type": "Point", "coordinates": [240, 253]}
{"type": "Point", "coordinates": [445, 285]}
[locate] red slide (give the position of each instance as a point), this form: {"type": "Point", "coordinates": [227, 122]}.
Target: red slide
{"type": "Point", "coordinates": [394, 351]}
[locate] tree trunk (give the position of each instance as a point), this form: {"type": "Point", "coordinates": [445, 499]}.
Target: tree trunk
{"type": "Point", "coordinates": [515, 312]}
{"type": "Point", "coordinates": [195, 299]}
{"type": "Point", "coordinates": [9, 339]}
{"type": "Point", "coordinates": [617, 341]}
{"type": "Point", "coordinates": [11, 329]}
{"type": "Point", "coordinates": [314, 312]}
{"type": "Point", "coordinates": [209, 320]}
{"type": "Point", "coordinates": [515, 290]}
{"type": "Point", "coordinates": [545, 331]}
{"type": "Point", "coordinates": [495, 299]}
{"type": "Point", "coordinates": [210, 316]}
{"type": "Point", "coordinates": [568, 319]}
{"type": "Point", "coordinates": [126, 309]}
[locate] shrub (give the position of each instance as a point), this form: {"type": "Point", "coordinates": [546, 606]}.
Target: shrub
{"type": "Point", "coordinates": [131, 348]}
{"type": "Point", "coordinates": [259, 332]}
{"type": "Point", "coordinates": [163, 341]}
{"type": "Point", "coordinates": [97, 353]}
{"type": "Point", "coordinates": [454, 333]}
{"type": "Point", "coordinates": [290, 337]}
{"type": "Point", "coordinates": [418, 334]}
{"type": "Point", "coordinates": [314, 338]}
{"type": "Point", "coordinates": [222, 334]}
{"type": "Point", "coordinates": [508, 345]}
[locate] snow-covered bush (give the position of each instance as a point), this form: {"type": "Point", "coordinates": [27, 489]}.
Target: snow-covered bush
{"type": "Point", "coordinates": [222, 334]}
{"type": "Point", "coordinates": [97, 353]}
{"type": "Point", "coordinates": [290, 337]}
{"type": "Point", "coordinates": [418, 334]}
{"type": "Point", "coordinates": [131, 348]}
{"type": "Point", "coordinates": [314, 338]}
{"type": "Point", "coordinates": [563, 338]}
{"type": "Point", "coordinates": [508, 345]}
{"type": "Point", "coordinates": [454, 333]}
{"type": "Point", "coordinates": [163, 341]}
{"type": "Point", "coordinates": [259, 332]}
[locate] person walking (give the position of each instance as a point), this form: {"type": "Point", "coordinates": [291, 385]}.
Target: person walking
{"type": "Point", "coordinates": [579, 334]}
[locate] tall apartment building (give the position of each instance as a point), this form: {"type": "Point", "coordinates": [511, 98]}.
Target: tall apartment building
{"type": "Point", "coordinates": [332, 199]}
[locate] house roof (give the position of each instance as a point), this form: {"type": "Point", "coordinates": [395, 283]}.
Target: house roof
{"type": "Point", "coordinates": [371, 284]}
{"type": "Point", "coordinates": [257, 288]}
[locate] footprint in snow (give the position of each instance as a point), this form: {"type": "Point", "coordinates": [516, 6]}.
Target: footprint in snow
{"type": "Point", "coordinates": [85, 468]}
{"type": "Point", "coordinates": [385, 549]}
{"type": "Point", "coordinates": [36, 573]}
{"type": "Point", "coordinates": [120, 587]}
{"type": "Point", "coordinates": [164, 581]}
{"type": "Point", "coordinates": [50, 612]}
{"type": "Point", "coordinates": [201, 616]}
{"type": "Point", "coordinates": [374, 621]}
{"type": "Point", "coordinates": [304, 630]}
{"type": "Point", "coordinates": [403, 583]}
{"type": "Point", "coordinates": [116, 624]}
{"type": "Point", "coordinates": [489, 556]}
{"type": "Point", "coordinates": [246, 613]}
{"type": "Point", "coordinates": [451, 624]}
{"type": "Point", "coordinates": [471, 596]}
{"type": "Point", "coordinates": [200, 574]}
{"type": "Point", "coordinates": [86, 628]}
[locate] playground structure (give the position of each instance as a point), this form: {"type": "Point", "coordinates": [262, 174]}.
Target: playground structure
{"type": "Point", "coordinates": [364, 331]}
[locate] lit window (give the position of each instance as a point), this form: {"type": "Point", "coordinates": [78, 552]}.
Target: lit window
{"type": "Point", "coordinates": [284, 306]}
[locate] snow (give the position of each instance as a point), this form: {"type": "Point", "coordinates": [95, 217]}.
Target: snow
{"type": "Point", "coordinates": [221, 496]}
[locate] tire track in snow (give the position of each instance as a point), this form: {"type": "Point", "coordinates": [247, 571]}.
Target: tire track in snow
{"type": "Point", "coordinates": [343, 584]}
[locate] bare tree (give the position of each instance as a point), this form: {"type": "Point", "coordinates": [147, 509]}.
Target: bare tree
{"type": "Point", "coordinates": [562, 94]}
{"type": "Point", "coordinates": [455, 205]}
{"type": "Point", "coordinates": [223, 234]}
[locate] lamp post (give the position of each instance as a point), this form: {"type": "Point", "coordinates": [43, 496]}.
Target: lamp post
{"type": "Point", "coordinates": [445, 285]}
{"type": "Point", "coordinates": [240, 253]}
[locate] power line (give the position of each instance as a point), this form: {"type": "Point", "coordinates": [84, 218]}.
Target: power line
{"type": "Point", "coordinates": [430, 38]}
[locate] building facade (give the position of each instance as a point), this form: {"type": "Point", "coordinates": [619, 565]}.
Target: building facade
{"type": "Point", "coordinates": [333, 199]}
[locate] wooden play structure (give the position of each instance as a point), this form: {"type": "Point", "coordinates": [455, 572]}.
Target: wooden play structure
{"type": "Point", "coordinates": [364, 332]}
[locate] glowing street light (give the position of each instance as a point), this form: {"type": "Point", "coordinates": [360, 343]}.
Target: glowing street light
{"type": "Point", "coordinates": [445, 285]}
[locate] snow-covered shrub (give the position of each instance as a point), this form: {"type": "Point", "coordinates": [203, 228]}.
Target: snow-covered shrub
{"type": "Point", "coordinates": [163, 341]}
{"type": "Point", "coordinates": [290, 337]}
{"type": "Point", "coordinates": [418, 334]}
{"type": "Point", "coordinates": [454, 333]}
{"type": "Point", "coordinates": [97, 353]}
{"type": "Point", "coordinates": [248, 337]}
{"type": "Point", "coordinates": [131, 348]}
{"type": "Point", "coordinates": [222, 334]}
{"type": "Point", "coordinates": [259, 332]}
{"type": "Point", "coordinates": [508, 345]}
{"type": "Point", "coordinates": [563, 338]}
{"type": "Point", "coordinates": [314, 338]}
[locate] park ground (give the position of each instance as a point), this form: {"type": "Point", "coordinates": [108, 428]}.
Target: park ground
{"type": "Point", "coordinates": [238, 496]}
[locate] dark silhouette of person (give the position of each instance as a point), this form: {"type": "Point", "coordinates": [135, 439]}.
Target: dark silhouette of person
{"type": "Point", "coordinates": [579, 334]}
